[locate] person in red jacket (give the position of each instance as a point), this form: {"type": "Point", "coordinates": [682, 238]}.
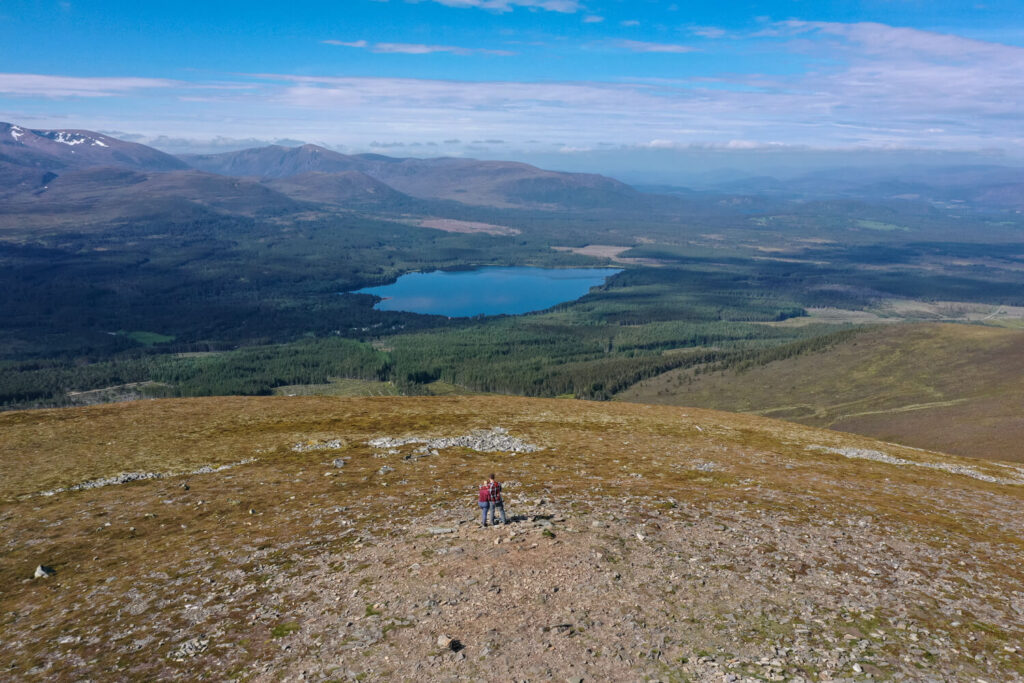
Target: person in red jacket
{"type": "Point", "coordinates": [484, 498]}
{"type": "Point", "coordinates": [496, 502]}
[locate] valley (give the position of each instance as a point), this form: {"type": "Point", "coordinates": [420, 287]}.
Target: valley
{"type": "Point", "coordinates": [221, 274]}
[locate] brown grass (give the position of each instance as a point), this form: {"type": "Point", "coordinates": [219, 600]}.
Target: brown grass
{"type": "Point", "coordinates": [167, 540]}
{"type": "Point", "coordinates": [944, 387]}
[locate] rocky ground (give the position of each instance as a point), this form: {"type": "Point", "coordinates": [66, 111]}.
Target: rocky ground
{"type": "Point", "coordinates": [643, 544]}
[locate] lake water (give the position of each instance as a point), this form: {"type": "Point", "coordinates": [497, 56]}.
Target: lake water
{"type": "Point", "coordinates": [487, 291]}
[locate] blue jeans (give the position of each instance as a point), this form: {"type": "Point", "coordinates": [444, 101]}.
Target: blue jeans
{"type": "Point", "coordinates": [484, 507]}
{"type": "Point", "coordinates": [495, 507]}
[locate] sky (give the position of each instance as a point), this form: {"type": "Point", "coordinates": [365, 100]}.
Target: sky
{"type": "Point", "coordinates": [607, 85]}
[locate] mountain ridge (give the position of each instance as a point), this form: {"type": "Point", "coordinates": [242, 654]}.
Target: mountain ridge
{"type": "Point", "coordinates": [470, 181]}
{"type": "Point", "coordinates": [52, 150]}
{"type": "Point", "coordinates": [31, 159]}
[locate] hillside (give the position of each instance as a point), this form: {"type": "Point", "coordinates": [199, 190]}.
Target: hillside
{"type": "Point", "coordinates": [469, 181]}
{"type": "Point", "coordinates": [645, 543]}
{"type": "Point", "coordinates": [56, 150]}
{"type": "Point", "coordinates": [102, 194]}
{"type": "Point", "coordinates": [349, 188]}
{"type": "Point", "coordinates": [952, 388]}
{"type": "Point", "coordinates": [273, 161]}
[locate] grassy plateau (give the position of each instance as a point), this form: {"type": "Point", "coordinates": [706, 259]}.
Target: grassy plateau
{"type": "Point", "coordinates": [646, 542]}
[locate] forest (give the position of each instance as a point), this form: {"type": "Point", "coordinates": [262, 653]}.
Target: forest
{"type": "Point", "coordinates": [210, 304]}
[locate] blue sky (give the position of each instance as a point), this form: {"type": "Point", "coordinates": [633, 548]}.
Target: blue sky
{"type": "Point", "coordinates": [571, 80]}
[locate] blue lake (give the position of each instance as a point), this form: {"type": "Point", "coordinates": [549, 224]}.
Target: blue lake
{"type": "Point", "coordinates": [487, 291]}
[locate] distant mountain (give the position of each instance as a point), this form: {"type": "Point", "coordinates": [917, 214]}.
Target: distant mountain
{"type": "Point", "coordinates": [470, 181]}
{"type": "Point", "coordinates": [348, 188]}
{"type": "Point", "coordinates": [95, 195]}
{"type": "Point", "coordinates": [503, 184]}
{"type": "Point", "coordinates": [274, 161]}
{"type": "Point", "coordinates": [982, 187]}
{"type": "Point", "coordinates": [57, 150]}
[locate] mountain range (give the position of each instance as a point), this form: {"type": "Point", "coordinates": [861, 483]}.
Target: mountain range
{"type": "Point", "coordinates": [52, 177]}
{"type": "Point", "coordinates": [981, 186]}
{"type": "Point", "coordinates": [73, 171]}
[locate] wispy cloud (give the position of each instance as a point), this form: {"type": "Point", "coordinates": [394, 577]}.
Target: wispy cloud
{"type": "Point", "coordinates": [592, 19]}
{"type": "Point", "coordinates": [42, 85]}
{"type": "Point", "coordinates": [417, 48]}
{"type": "Point", "coordinates": [629, 23]}
{"type": "Point", "coordinates": [708, 31]}
{"type": "Point", "coordinates": [866, 85]}
{"type": "Point", "coordinates": [343, 43]}
{"type": "Point", "coordinates": [564, 6]}
{"type": "Point", "coordinates": [641, 46]}
{"type": "Point", "coordinates": [862, 86]}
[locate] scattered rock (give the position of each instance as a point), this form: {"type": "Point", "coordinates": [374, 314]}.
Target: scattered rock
{"type": "Point", "coordinates": [438, 530]}
{"type": "Point", "coordinates": [43, 572]}
{"type": "Point", "coordinates": [494, 440]}
{"type": "Point", "coordinates": [878, 456]}
{"type": "Point", "coordinates": [190, 648]}
{"type": "Point", "coordinates": [318, 445]}
{"type": "Point", "coordinates": [126, 477]}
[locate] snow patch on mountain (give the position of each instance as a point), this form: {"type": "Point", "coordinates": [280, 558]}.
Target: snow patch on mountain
{"type": "Point", "coordinates": [68, 138]}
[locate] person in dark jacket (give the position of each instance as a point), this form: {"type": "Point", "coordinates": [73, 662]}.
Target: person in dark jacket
{"type": "Point", "coordinates": [497, 504]}
{"type": "Point", "coordinates": [484, 498]}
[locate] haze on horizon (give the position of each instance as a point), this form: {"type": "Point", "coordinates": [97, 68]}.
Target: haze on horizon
{"type": "Point", "coordinates": [653, 91]}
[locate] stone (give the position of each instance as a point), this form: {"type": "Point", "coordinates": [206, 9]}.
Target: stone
{"type": "Point", "coordinates": [43, 572]}
{"type": "Point", "coordinates": [438, 530]}
{"type": "Point", "coordinates": [492, 440]}
{"type": "Point", "coordinates": [190, 648]}
{"type": "Point", "coordinates": [446, 642]}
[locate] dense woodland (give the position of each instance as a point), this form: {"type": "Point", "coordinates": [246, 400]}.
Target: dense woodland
{"type": "Point", "coordinates": [208, 304]}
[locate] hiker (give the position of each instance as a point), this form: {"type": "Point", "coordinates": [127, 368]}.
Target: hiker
{"type": "Point", "coordinates": [484, 498]}
{"type": "Point", "coordinates": [494, 487]}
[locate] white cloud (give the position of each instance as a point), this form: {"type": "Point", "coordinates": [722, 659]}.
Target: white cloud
{"type": "Point", "coordinates": [41, 85]}
{"type": "Point", "coordinates": [708, 31]}
{"type": "Point", "coordinates": [342, 43]}
{"type": "Point", "coordinates": [564, 6]}
{"type": "Point", "coordinates": [865, 86]}
{"type": "Point", "coordinates": [417, 48]}
{"type": "Point", "coordinates": [641, 46]}
{"type": "Point", "coordinates": [592, 19]}
{"type": "Point", "coordinates": [629, 23]}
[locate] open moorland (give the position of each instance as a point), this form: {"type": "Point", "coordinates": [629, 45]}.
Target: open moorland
{"type": "Point", "coordinates": [322, 538]}
{"type": "Point", "coordinates": [952, 388]}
